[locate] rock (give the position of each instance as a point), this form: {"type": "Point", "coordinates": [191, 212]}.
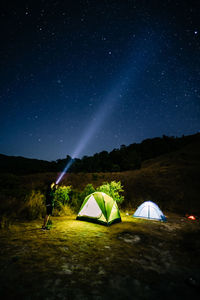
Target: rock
{"type": "Point", "coordinates": [131, 239]}
{"type": "Point", "coordinates": [107, 247]}
{"type": "Point", "coordinates": [101, 271]}
{"type": "Point", "coordinates": [191, 281]}
{"type": "Point", "coordinates": [96, 283]}
{"type": "Point", "coordinates": [57, 282]}
{"type": "Point", "coordinates": [66, 270]}
{"type": "Point", "coordinates": [136, 239]}
{"type": "Point", "coordinates": [136, 282]}
{"type": "Point", "coordinates": [65, 248]}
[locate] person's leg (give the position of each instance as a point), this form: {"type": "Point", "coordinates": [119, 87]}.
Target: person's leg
{"type": "Point", "coordinates": [45, 221]}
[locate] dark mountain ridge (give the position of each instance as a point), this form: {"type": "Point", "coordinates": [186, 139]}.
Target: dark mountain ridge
{"type": "Point", "coordinates": [123, 159]}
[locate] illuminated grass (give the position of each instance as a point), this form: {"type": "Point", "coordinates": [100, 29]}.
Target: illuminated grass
{"type": "Point", "coordinates": [86, 257]}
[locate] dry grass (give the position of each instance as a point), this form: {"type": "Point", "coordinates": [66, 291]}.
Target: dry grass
{"type": "Point", "coordinates": [64, 210]}
{"type": "Point", "coordinates": [34, 206]}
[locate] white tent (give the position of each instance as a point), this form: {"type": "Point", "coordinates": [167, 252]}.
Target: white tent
{"type": "Point", "coordinates": [149, 210]}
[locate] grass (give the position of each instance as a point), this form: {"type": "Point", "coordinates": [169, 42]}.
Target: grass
{"type": "Point", "coordinates": [81, 260]}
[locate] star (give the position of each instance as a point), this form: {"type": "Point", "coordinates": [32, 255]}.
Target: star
{"type": "Point", "coordinates": [94, 68]}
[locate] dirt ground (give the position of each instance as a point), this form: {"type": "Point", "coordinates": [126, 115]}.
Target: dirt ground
{"type": "Point", "coordinates": [135, 259]}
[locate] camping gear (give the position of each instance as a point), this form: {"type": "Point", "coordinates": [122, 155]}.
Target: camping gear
{"type": "Point", "coordinates": [149, 210]}
{"type": "Point", "coordinates": [99, 208]}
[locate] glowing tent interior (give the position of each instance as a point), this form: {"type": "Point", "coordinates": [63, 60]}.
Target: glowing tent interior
{"type": "Point", "coordinates": [99, 208]}
{"type": "Point", "coordinates": [149, 210]}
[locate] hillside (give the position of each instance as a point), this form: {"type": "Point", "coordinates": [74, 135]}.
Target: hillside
{"type": "Point", "coordinates": [125, 158]}
{"type": "Point", "coordinates": [171, 180]}
{"type": "Point", "coordinates": [21, 165]}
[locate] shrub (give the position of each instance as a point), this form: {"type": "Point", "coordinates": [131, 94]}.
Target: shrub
{"type": "Point", "coordinates": [34, 205]}
{"type": "Point", "coordinates": [89, 189]}
{"type": "Point", "coordinates": [62, 196]}
{"type": "Point", "coordinates": [64, 210]}
{"type": "Point", "coordinates": [78, 197]}
{"type": "Point", "coordinates": [76, 200]}
{"type": "Point", "coordinates": [112, 189]}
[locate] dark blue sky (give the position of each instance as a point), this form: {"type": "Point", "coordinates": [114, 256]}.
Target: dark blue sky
{"type": "Point", "coordinates": [79, 77]}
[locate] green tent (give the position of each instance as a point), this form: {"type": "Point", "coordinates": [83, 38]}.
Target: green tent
{"type": "Point", "coordinates": [99, 208]}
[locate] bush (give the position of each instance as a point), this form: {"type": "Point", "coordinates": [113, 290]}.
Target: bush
{"type": "Point", "coordinates": [34, 205]}
{"type": "Point", "coordinates": [64, 210]}
{"type": "Point", "coordinates": [62, 197]}
{"type": "Point", "coordinates": [76, 200]}
{"type": "Point", "coordinates": [77, 197]}
{"type": "Point", "coordinates": [112, 189]}
{"type": "Point", "coordinates": [89, 189]}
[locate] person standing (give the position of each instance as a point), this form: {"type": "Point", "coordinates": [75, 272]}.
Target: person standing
{"type": "Point", "coordinates": [49, 203]}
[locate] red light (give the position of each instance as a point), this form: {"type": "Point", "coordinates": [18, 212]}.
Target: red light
{"type": "Point", "coordinates": [192, 218]}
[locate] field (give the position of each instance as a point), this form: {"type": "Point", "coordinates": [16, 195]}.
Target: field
{"type": "Point", "coordinates": [135, 259]}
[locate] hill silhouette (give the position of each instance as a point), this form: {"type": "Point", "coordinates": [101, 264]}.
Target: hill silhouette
{"type": "Point", "coordinates": [126, 158]}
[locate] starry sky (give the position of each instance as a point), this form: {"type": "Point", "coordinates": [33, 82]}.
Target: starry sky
{"type": "Point", "coordinates": [80, 77]}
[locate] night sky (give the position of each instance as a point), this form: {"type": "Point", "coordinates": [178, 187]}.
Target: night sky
{"type": "Point", "coordinates": [79, 77]}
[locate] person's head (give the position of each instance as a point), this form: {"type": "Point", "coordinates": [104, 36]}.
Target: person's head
{"type": "Point", "coordinates": [54, 186]}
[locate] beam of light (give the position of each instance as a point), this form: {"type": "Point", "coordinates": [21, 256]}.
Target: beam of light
{"type": "Point", "coordinates": [136, 65]}
{"type": "Point", "coordinates": [102, 113]}
{"type": "Point", "coordinates": [68, 165]}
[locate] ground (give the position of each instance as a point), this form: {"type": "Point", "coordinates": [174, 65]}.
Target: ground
{"type": "Point", "coordinates": [135, 259]}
